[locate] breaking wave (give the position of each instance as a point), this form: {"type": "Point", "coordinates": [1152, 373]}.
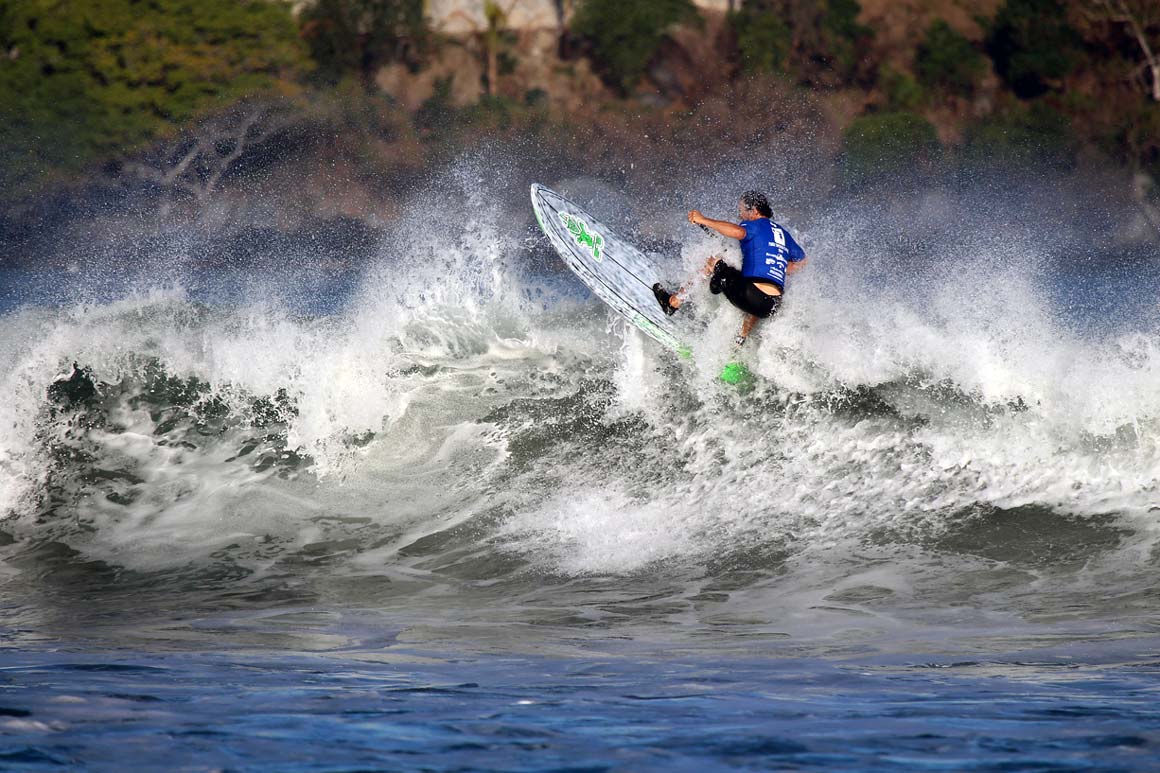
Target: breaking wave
{"type": "Point", "coordinates": [469, 416]}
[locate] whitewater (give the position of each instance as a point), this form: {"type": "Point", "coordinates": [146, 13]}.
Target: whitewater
{"type": "Point", "coordinates": [445, 511]}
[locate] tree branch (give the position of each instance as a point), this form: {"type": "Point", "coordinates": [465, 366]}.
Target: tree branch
{"type": "Point", "coordinates": [239, 147]}
{"type": "Point", "coordinates": [1119, 12]}
{"type": "Point", "coordinates": [196, 167]}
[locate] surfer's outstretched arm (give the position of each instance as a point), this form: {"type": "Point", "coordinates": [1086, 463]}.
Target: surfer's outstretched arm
{"type": "Point", "coordinates": [723, 227]}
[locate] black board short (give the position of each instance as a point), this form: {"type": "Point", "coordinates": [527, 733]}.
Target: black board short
{"type": "Point", "coordinates": [740, 291]}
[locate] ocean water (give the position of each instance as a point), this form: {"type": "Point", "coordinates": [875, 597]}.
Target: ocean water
{"type": "Point", "coordinates": [442, 511]}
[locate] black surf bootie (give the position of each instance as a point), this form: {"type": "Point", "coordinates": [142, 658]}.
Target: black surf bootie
{"type": "Point", "coordinates": [717, 279]}
{"type": "Point", "coordinates": [663, 296]}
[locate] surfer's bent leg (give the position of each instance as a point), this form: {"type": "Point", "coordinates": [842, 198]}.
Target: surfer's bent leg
{"type": "Point", "coordinates": [746, 328]}
{"type": "Point", "coordinates": [723, 278]}
{"type": "Point", "coordinates": [670, 302]}
{"type": "Point", "coordinates": [742, 293]}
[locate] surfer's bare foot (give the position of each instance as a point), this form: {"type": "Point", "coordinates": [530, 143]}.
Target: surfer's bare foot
{"type": "Point", "coordinates": [668, 301]}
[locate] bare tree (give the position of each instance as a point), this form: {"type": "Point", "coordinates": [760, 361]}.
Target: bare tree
{"type": "Point", "coordinates": [195, 164]}
{"type": "Point", "coordinates": [1139, 16]}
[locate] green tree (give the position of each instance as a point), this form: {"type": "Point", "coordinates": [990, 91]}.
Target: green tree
{"type": "Point", "coordinates": [625, 36]}
{"type": "Point", "coordinates": [359, 36]}
{"type": "Point", "coordinates": [1032, 45]}
{"type": "Point", "coordinates": [885, 145]}
{"type": "Point", "coordinates": [1035, 134]}
{"type": "Point", "coordinates": [946, 61]}
{"type": "Point", "coordinates": [763, 40]}
{"type": "Point", "coordinates": [819, 41]}
{"type": "Point", "coordinates": [902, 91]}
{"type": "Point", "coordinates": [86, 79]}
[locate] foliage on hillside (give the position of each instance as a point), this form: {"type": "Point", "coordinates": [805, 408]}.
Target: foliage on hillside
{"type": "Point", "coordinates": [1033, 46]}
{"type": "Point", "coordinates": [81, 81]}
{"type": "Point", "coordinates": [887, 143]}
{"type": "Point", "coordinates": [1022, 135]}
{"type": "Point", "coordinates": [819, 42]}
{"type": "Point", "coordinates": [624, 37]}
{"type": "Point", "coordinates": [359, 36]}
{"type": "Point", "coordinates": [946, 61]}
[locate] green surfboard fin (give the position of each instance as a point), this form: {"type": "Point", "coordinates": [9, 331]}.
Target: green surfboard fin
{"type": "Point", "coordinates": [737, 374]}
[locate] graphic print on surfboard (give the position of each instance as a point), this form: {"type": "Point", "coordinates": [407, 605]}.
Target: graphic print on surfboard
{"type": "Point", "coordinates": [617, 272]}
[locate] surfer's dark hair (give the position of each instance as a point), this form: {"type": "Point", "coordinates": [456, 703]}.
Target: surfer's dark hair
{"type": "Point", "coordinates": [756, 200]}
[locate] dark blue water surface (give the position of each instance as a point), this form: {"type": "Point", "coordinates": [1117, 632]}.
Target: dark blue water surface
{"type": "Point", "coordinates": [627, 711]}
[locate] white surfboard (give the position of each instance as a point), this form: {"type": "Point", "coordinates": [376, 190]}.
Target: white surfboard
{"type": "Point", "coordinates": [620, 274]}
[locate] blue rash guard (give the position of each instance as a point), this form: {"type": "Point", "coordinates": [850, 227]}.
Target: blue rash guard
{"type": "Point", "coordinates": [766, 250]}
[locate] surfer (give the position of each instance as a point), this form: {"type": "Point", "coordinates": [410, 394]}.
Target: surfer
{"type": "Point", "coordinates": [769, 253]}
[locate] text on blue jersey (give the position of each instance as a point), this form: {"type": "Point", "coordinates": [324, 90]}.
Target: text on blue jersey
{"type": "Point", "coordinates": [766, 250]}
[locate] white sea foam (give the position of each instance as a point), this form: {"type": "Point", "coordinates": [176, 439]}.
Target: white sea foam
{"type": "Point", "coordinates": [984, 395]}
{"type": "Point", "coordinates": [586, 531]}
